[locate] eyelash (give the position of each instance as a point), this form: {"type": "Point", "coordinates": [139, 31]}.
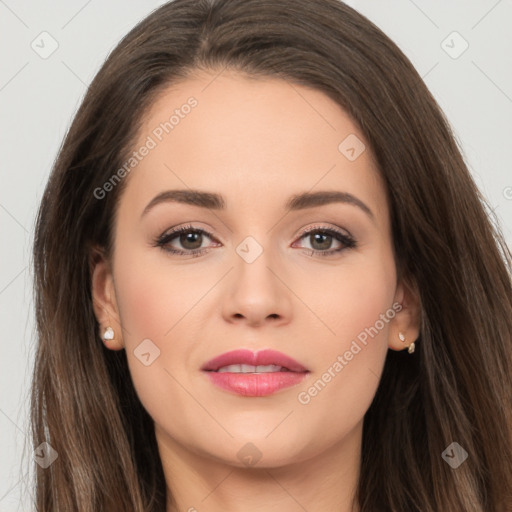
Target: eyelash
{"type": "Point", "coordinates": [347, 241]}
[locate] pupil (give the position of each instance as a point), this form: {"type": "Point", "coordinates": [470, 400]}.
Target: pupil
{"type": "Point", "coordinates": [189, 237]}
{"type": "Point", "coordinates": [326, 243]}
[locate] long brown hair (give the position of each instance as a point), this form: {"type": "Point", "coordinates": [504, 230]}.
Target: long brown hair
{"type": "Point", "coordinates": [456, 387]}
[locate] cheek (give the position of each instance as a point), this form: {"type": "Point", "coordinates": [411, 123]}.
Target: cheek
{"type": "Point", "coordinates": [144, 311]}
{"type": "Point", "coordinates": [350, 361]}
{"type": "Point", "coordinates": [154, 295]}
{"type": "Point", "coordinates": [353, 298]}
{"type": "Point", "coordinates": [159, 302]}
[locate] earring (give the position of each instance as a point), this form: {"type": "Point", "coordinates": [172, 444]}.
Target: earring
{"type": "Point", "coordinates": [411, 347]}
{"type": "Point", "coordinates": [108, 334]}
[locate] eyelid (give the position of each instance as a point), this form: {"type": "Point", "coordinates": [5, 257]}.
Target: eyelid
{"type": "Point", "coordinates": [340, 234]}
{"type": "Point", "coordinates": [189, 227]}
{"type": "Point", "coordinates": [322, 227]}
{"type": "Point", "coordinates": [301, 233]}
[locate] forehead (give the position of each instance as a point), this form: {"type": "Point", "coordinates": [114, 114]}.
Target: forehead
{"type": "Point", "coordinates": [251, 138]}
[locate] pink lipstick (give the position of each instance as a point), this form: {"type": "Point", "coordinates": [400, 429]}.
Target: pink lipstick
{"type": "Point", "coordinates": [250, 373]}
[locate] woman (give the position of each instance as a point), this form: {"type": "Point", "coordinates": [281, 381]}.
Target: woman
{"type": "Point", "coordinates": [369, 369]}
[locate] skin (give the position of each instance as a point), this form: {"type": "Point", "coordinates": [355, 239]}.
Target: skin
{"type": "Point", "coordinates": [256, 142]}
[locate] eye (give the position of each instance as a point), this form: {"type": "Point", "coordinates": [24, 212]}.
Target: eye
{"type": "Point", "coordinates": [191, 240]}
{"type": "Point", "coordinates": [321, 240]}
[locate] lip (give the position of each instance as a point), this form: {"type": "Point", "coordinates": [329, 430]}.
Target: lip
{"type": "Point", "coordinates": [261, 358]}
{"type": "Point", "coordinates": [252, 384]}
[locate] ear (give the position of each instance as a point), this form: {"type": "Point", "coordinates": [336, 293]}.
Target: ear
{"type": "Point", "coordinates": [104, 298]}
{"type": "Point", "coordinates": [408, 319]}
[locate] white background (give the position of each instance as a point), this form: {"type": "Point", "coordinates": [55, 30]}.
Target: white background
{"type": "Point", "coordinates": [38, 98]}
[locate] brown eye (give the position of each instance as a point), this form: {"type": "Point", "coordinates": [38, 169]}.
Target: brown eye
{"type": "Point", "coordinates": [321, 240]}
{"type": "Point", "coordinates": [188, 239]}
{"type": "Point", "coordinates": [191, 240]}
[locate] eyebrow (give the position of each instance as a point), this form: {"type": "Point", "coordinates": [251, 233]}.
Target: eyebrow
{"type": "Point", "coordinates": [296, 202]}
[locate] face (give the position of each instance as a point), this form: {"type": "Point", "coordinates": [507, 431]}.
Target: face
{"type": "Point", "coordinates": [314, 280]}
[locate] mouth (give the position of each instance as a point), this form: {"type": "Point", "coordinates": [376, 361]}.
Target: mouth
{"type": "Point", "coordinates": [254, 374]}
{"type": "Point", "coordinates": [247, 361]}
{"type": "Point", "coordinates": [247, 368]}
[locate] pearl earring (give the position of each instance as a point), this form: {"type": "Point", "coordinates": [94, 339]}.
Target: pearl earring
{"type": "Point", "coordinates": [411, 348]}
{"type": "Point", "coordinates": [108, 334]}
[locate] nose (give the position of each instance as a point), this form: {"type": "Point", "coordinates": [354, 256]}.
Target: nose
{"type": "Point", "coordinates": [257, 294]}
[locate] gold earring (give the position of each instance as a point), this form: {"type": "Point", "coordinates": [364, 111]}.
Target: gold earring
{"type": "Point", "coordinates": [108, 334]}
